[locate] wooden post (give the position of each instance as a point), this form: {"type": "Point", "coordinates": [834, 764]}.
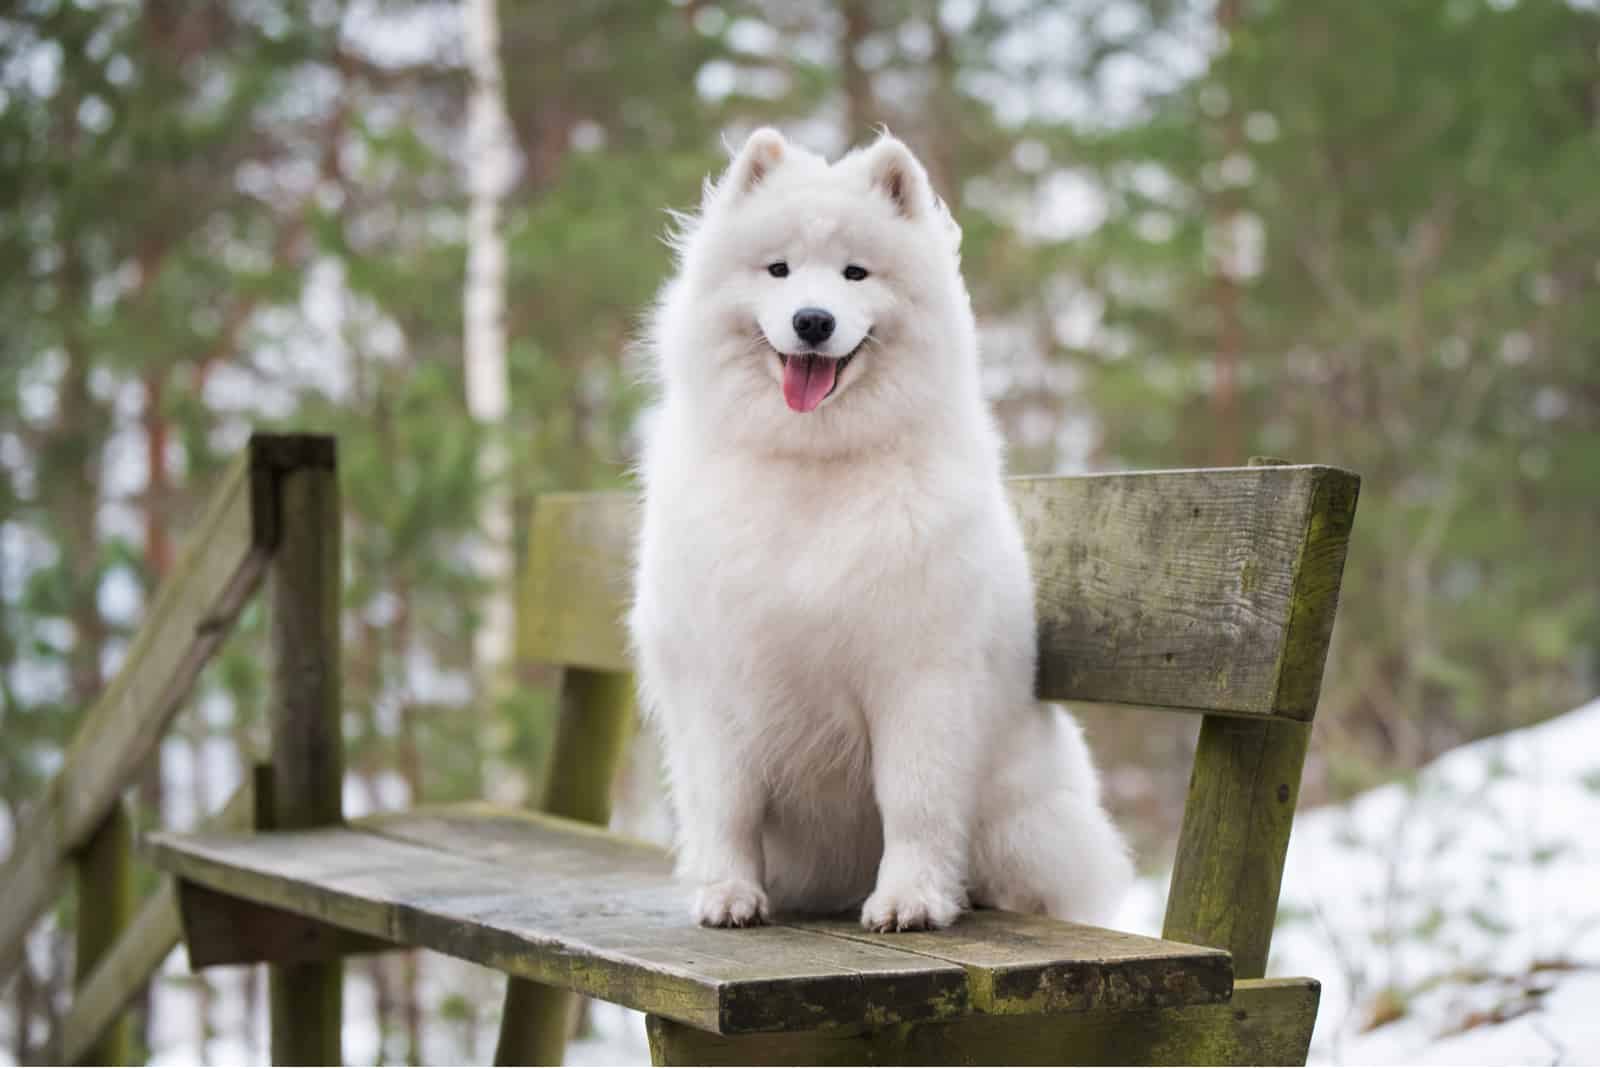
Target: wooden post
{"type": "Point", "coordinates": [307, 758]}
{"type": "Point", "coordinates": [592, 730]}
{"type": "Point", "coordinates": [126, 967]}
{"type": "Point", "coordinates": [1236, 823]}
{"type": "Point", "coordinates": [1246, 779]}
{"type": "Point", "coordinates": [105, 904]}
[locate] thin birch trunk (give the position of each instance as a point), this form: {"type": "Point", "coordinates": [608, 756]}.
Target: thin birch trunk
{"type": "Point", "coordinates": [491, 162]}
{"type": "Point", "coordinates": [491, 165]}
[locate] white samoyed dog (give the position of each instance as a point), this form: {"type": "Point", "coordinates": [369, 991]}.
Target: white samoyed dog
{"type": "Point", "coordinates": [833, 617]}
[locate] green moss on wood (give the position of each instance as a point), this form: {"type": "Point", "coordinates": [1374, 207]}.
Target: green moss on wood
{"type": "Point", "coordinates": [105, 905]}
{"type": "Point", "coordinates": [1267, 1022]}
{"type": "Point", "coordinates": [1319, 571]}
{"type": "Point", "coordinates": [1236, 824]}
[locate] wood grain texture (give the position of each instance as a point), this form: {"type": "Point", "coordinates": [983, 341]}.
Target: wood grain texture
{"type": "Point", "coordinates": [193, 612]}
{"type": "Point", "coordinates": [154, 932]}
{"type": "Point", "coordinates": [592, 730]}
{"type": "Point", "coordinates": [307, 748]}
{"type": "Point", "coordinates": [1267, 1022]}
{"type": "Point", "coordinates": [568, 904]}
{"type": "Point", "coordinates": [1030, 964]}
{"type": "Point", "coordinates": [1014, 963]}
{"type": "Point", "coordinates": [1206, 590]}
{"type": "Point", "coordinates": [1172, 589]}
{"type": "Point", "coordinates": [578, 910]}
{"type": "Point", "coordinates": [105, 905]}
{"type": "Point", "coordinates": [893, 984]}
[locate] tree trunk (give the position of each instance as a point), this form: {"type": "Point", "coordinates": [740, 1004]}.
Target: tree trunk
{"type": "Point", "coordinates": [158, 561]}
{"type": "Point", "coordinates": [942, 135]}
{"type": "Point", "coordinates": [1226, 438]}
{"type": "Point", "coordinates": [860, 105]}
{"type": "Point", "coordinates": [80, 439]}
{"type": "Point", "coordinates": [491, 167]}
{"type": "Point", "coordinates": [488, 387]}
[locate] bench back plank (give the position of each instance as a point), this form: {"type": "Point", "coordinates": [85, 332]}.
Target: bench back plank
{"type": "Point", "coordinates": [1206, 590]}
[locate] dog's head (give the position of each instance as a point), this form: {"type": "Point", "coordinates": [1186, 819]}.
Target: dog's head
{"type": "Point", "coordinates": [819, 303]}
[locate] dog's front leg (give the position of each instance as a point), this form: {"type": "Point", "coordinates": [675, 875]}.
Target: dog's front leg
{"type": "Point", "coordinates": [720, 810]}
{"type": "Point", "coordinates": [925, 757]}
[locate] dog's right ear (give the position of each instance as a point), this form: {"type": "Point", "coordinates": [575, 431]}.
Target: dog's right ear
{"type": "Point", "coordinates": [763, 152]}
{"type": "Point", "coordinates": [898, 174]}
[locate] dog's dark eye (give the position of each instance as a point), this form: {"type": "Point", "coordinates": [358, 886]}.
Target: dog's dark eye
{"type": "Point", "coordinates": [854, 273]}
{"type": "Point", "coordinates": [778, 270]}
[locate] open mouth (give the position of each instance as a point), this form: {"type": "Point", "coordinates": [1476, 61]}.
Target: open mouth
{"type": "Point", "coordinates": [810, 378]}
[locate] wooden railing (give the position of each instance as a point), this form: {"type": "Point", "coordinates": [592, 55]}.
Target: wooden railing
{"type": "Point", "coordinates": [274, 519]}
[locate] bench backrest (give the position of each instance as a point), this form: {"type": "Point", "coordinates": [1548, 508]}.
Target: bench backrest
{"type": "Point", "coordinates": [1207, 590]}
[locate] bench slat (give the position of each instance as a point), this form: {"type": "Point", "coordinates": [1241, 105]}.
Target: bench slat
{"type": "Point", "coordinates": [1029, 964]}
{"type": "Point", "coordinates": [1170, 589]}
{"type": "Point", "coordinates": [610, 930]}
{"type": "Point", "coordinates": [1015, 963]}
{"type": "Point", "coordinates": [567, 904]}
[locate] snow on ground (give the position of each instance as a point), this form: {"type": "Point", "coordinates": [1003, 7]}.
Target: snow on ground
{"type": "Point", "coordinates": [1462, 907]}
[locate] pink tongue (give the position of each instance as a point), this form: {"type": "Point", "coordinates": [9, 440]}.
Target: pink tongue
{"type": "Point", "coordinates": [807, 380]}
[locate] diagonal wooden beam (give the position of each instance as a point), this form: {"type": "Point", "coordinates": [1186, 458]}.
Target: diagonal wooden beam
{"type": "Point", "coordinates": [193, 612]}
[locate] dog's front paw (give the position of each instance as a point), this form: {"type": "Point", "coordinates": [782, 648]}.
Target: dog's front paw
{"type": "Point", "coordinates": [911, 907]}
{"type": "Point", "coordinates": [730, 903]}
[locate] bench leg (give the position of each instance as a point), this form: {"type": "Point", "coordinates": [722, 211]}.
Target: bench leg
{"type": "Point", "coordinates": [1268, 1021]}
{"type": "Point", "coordinates": [533, 1023]}
{"type": "Point", "coordinates": [592, 732]}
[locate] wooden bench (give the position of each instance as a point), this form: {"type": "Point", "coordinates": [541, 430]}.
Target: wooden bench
{"type": "Point", "coordinates": [1209, 591]}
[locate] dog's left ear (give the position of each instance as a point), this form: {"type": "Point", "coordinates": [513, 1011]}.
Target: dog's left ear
{"type": "Point", "coordinates": [900, 176]}
{"type": "Point", "coordinates": [762, 153]}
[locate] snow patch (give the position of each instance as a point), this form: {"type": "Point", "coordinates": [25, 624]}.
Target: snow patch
{"type": "Point", "coordinates": [1452, 919]}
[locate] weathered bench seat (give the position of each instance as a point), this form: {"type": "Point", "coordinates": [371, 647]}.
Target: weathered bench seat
{"type": "Point", "coordinates": [563, 903]}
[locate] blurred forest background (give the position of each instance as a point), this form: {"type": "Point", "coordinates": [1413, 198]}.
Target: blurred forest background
{"type": "Point", "coordinates": [1365, 234]}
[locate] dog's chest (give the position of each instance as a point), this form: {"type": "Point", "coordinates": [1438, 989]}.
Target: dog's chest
{"type": "Point", "coordinates": [799, 558]}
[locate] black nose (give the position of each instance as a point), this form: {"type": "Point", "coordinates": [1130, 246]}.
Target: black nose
{"type": "Point", "coordinates": [813, 325]}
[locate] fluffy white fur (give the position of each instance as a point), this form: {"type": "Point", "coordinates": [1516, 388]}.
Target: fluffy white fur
{"type": "Point", "coordinates": [833, 618]}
